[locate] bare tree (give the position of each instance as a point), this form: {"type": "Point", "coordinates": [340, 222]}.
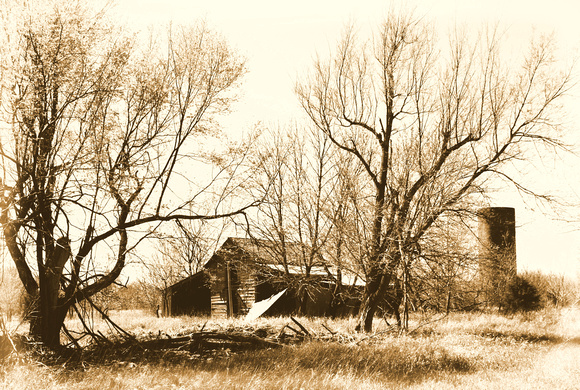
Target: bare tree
{"type": "Point", "coordinates": [295, 178]}
{"type": "Point", "coordinates": [181, 252]}
{"type": "Point", "coordinates": [100, 146]}
{"type": "Point", "coordinates": [429, 127]}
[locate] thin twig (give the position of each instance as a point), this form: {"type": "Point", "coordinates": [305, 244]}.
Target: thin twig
{"type": "Point", "coordinates": [295, 330]}
{"type": "Point", "coordinates": [88, 330]}
{"type": "Point", "coordinates": [328, 329]}
{"type": "Point", "coordinates": [300, 325]}
{"type": "Point", "coordinates": [110, 321]}
{"type": "Point", "coordinates": [70, 337]}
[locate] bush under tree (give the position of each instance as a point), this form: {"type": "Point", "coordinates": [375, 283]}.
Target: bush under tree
{"type": "Point", "coordinates": [521, 295]}
{"type": "Point", "coordinates": [429, 128]}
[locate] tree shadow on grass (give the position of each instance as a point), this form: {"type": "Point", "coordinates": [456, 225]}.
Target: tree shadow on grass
{"type": "Point", "coordinates": [402, 360]}
{"type": "Point", "coordinates": [528, 337]}
{"type": "Point", "coordinates": [399, 361]}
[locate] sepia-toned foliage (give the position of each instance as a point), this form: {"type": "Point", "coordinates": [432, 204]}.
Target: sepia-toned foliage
{"type": "Point", "coordinates": [100, 145]}
{"type": "Point", "coordinates": [429, 127]}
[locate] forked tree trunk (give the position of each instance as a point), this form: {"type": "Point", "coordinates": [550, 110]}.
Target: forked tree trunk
{"type": "Point", "coordinates": [378, 281]}
{"type": "Point", "coordinates": [375, 291]}
{"type": "Point", "coordinates": [50, 309]}
{"type": "Point", "coordinates": [52, 313]}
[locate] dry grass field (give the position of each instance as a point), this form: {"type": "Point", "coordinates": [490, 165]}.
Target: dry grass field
{"type": "Point", "coordinates": [461, 351]}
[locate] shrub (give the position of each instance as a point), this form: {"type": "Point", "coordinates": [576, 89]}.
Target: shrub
{"type": "Point", "coordinates": [521, 295]}
{"type": "Point", "coordinates": [556, 290]}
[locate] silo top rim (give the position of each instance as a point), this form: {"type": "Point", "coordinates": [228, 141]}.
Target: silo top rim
{"type": "Point", "coordinates": [497, 212]}
{"type": "Point", "coordinates": [496, 209]}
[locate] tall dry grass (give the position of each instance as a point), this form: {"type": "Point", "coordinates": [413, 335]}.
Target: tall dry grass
{"type": "Point", "coordinates": [463, 350]}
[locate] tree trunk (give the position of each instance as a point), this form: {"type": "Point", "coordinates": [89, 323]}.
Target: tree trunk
{"type": "Point", "coordinates": [378, 282]}
{"type": "Point", "coordinates": [374, 291]}
{"type": "Point", "coordinates": [303, 292]}
{"type": "Point", "coordinates": [302, 300]}
{"type": "Point", "coordinates": [51, 327]}
{"type": "Point", "coordinates": [32, 315]}
{"type": "Point", "coordinates": [52, 314]}
{"type": "Point", "coordinates": [46, 321]}
{"type": "Point", "coordinates": [336, 297]}
{"type": "Point", "coordinates": [51, 308]}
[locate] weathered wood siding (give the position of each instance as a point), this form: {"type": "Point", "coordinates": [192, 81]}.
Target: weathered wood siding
{"type": "Point", "coordinates": [219, 291]}
{"type": "Point", "coordinates": [243, 290]}
{"type": "Point", "coordinates": [246, 291]}
{"type": "Point", "coordinates": [250, 281]}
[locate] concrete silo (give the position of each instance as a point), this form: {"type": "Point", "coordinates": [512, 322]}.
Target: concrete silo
{"type": "Point", "coordinates": [497, 250]}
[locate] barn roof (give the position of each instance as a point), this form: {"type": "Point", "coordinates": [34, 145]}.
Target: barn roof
{"type": "Point", "coordinates": [270, 254]}
{"type": "Point", "coordinates": [267, 253]}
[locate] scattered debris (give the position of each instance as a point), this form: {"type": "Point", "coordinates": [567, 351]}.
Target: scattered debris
{"type": "Point", "coordinates": [328, 329]}
{"type": "Point", "coordinates": [304, 330]}
{"type": "Point", "coordinates": [191, 346]}
{"type": "Point", "coordinates": [261, 307]}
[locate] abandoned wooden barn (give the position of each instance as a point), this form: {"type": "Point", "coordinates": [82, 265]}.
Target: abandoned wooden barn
{"type": "Point", "coordinates": [245, 271]}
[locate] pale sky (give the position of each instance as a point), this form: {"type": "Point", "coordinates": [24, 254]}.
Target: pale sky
{"type": "Point", "coordinates": [280, 40]}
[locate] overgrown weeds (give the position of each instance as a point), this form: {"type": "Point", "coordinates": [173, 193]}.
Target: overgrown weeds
{"type": "Point", "coordinates": [399, 359]}
{"type": "Point", "coordinates": [463, 350]}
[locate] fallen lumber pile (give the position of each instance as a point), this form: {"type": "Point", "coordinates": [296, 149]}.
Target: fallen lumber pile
{"type": "Point", "coordinates": [203, 341]}
{"type": "Point", "coordinates": [189, 346]}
